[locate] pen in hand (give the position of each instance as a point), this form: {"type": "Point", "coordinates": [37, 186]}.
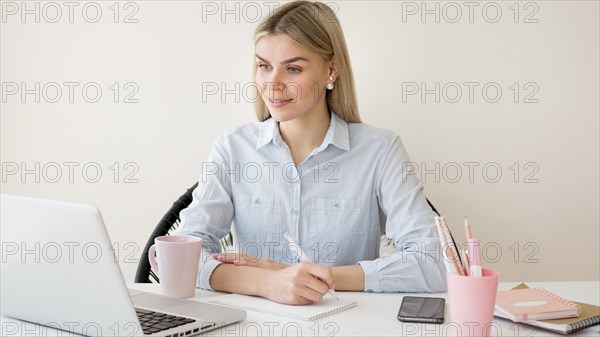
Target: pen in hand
{"type": "Point", "coordinates": [303, 257]}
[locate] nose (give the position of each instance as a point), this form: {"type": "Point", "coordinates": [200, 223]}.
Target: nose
{"type": "Point", "coordinates": [274, 82]}
{"type": "Point", "coordinates": [273, 85]}
{"type": "Point", "coordinates": [275, 79]}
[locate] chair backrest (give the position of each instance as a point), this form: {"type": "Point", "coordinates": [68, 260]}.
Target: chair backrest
{"type": "Point", "coordinates": [166, 226]}
{"type": "Point", "coordinates": [433, 207]}
{"type": "Point", "coordinates": [449, 231]}
{"type": "Point", "coordinates": [387, 241]}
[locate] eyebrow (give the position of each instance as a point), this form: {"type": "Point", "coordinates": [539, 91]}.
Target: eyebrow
{"type": "Point", "coordinates": [293, 59]}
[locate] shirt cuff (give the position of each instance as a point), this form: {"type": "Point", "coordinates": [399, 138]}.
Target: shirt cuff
{"type": "Point", "coordinates": [371, 276]}
{"type": "Point", "coordinates": [206, 267]}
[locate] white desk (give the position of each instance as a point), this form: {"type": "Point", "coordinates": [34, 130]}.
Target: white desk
{"type": "Point", "coordinates": [376, 314]}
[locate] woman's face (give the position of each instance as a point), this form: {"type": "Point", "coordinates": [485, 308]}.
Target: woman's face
{"type": "Point", "coordinates": [292, 79]}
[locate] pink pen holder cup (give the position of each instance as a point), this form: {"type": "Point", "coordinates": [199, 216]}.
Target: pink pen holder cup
{"type": "Point", "coordinates": [472, 301]}
{"type": "Point", "coordinates": [175, 260]}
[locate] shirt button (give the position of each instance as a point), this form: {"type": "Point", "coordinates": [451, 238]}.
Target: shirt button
{"type": "Point", "coordinates": [296, 212]}
{"type": "Point", "coordinates": [257, 201]}
{"type": "Point", "coordinates": [336, 204]}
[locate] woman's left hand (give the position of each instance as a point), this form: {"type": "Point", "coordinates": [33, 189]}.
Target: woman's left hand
{"type": "Point", "coordinates": [240, 259]}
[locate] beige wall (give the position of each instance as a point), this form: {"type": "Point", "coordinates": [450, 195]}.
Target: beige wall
{"type": "Point", "coordinates": [538, 220]}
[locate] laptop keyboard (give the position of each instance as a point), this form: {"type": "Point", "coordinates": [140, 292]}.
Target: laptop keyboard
{"type": "Point", "coordinates": [153, 322]}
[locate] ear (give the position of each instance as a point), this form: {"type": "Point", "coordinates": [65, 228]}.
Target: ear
{"type": "Point", "coordinates": [333, 69]}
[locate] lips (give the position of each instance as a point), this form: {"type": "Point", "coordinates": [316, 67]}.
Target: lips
{"type": "Point", "coordinates": [277, 103]}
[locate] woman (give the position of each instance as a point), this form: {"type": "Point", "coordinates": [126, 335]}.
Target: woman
{"type": "Point", "coordinates": [311, 169]}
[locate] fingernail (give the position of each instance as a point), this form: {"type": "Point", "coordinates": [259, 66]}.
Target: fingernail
{"type": "Point", "coordinates": [236, 261]}
{"type": "Point", "coordinates": [216, 256]}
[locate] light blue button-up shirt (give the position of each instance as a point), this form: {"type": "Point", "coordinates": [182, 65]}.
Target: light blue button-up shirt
{"type": "Point", "coordinates": [330, 204]}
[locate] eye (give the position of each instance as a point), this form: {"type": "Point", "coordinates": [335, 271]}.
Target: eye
{"type": "Point", "coordinates": [294, 69]}
{"type": "Point", "coordinates": [263, 66]}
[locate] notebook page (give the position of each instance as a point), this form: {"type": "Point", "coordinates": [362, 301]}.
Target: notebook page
{"type": "Point", "coordinates": [327, 306]}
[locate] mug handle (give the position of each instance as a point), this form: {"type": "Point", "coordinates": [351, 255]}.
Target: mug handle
{"type": "Point", "coordinates": [152, 258]}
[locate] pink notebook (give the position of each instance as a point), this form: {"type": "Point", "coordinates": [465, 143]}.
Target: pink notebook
{"type": "Point", "coordinates": [522, 305]}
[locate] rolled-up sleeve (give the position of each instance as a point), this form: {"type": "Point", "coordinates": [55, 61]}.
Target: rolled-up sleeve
{"type": "Point", "coordinates": [211, 212]}
{"type": "Point", "coordinates": [417, 265]}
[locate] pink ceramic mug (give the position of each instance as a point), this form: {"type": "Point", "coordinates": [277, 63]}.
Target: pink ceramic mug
{"type": "Point", "coordinates": [472, 301]}
{"type": "Point", "coordinates": [175, 260]}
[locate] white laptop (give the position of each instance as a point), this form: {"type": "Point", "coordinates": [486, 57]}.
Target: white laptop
{"type": "Point", "coordinates": [59, 270]}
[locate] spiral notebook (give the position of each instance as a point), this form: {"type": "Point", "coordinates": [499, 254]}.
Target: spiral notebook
{"type": "Point", "coordinates": [521, 305]}
{"type": "Point", "coordinates": [590, 316]}
{"type": "Point", "coordinates": [327, 306]}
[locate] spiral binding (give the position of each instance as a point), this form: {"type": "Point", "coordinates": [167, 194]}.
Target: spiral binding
{"type": "Point", "coordinates": [583, 324]}
{"type": "Point", "coordinates": [335, 311]}
{"type": "Point", "coordinates": [560, 299]}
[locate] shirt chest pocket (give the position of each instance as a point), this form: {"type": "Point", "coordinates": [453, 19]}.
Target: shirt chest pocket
{"type": "Point", "coordinates": [334, 222]}
{"type": "Point", "coordinates": [257, 218]}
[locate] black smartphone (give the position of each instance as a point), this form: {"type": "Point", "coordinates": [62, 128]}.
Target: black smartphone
{"type": "Point", "coordinates": [422, 309]}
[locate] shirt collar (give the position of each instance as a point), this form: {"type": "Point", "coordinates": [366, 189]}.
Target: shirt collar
{"type": "Point", "coordinates": [269, 131]}
{"type": "Point", "coordinates": [337, 133]}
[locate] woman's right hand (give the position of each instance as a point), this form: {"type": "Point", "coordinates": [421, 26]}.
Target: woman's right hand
{"type": "Point", "coordinates": [302, 283]}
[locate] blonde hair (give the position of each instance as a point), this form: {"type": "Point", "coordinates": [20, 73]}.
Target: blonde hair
{"type": "Point", "coordinates": [314, 26]}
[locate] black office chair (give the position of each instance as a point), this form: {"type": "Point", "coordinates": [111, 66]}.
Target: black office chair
{"type": "Point", "coordinates": [433, 207]}
{"type": "Point", "coordinates": [449, 231]}
{"type": "Point", "coordinates": [168, 224]}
